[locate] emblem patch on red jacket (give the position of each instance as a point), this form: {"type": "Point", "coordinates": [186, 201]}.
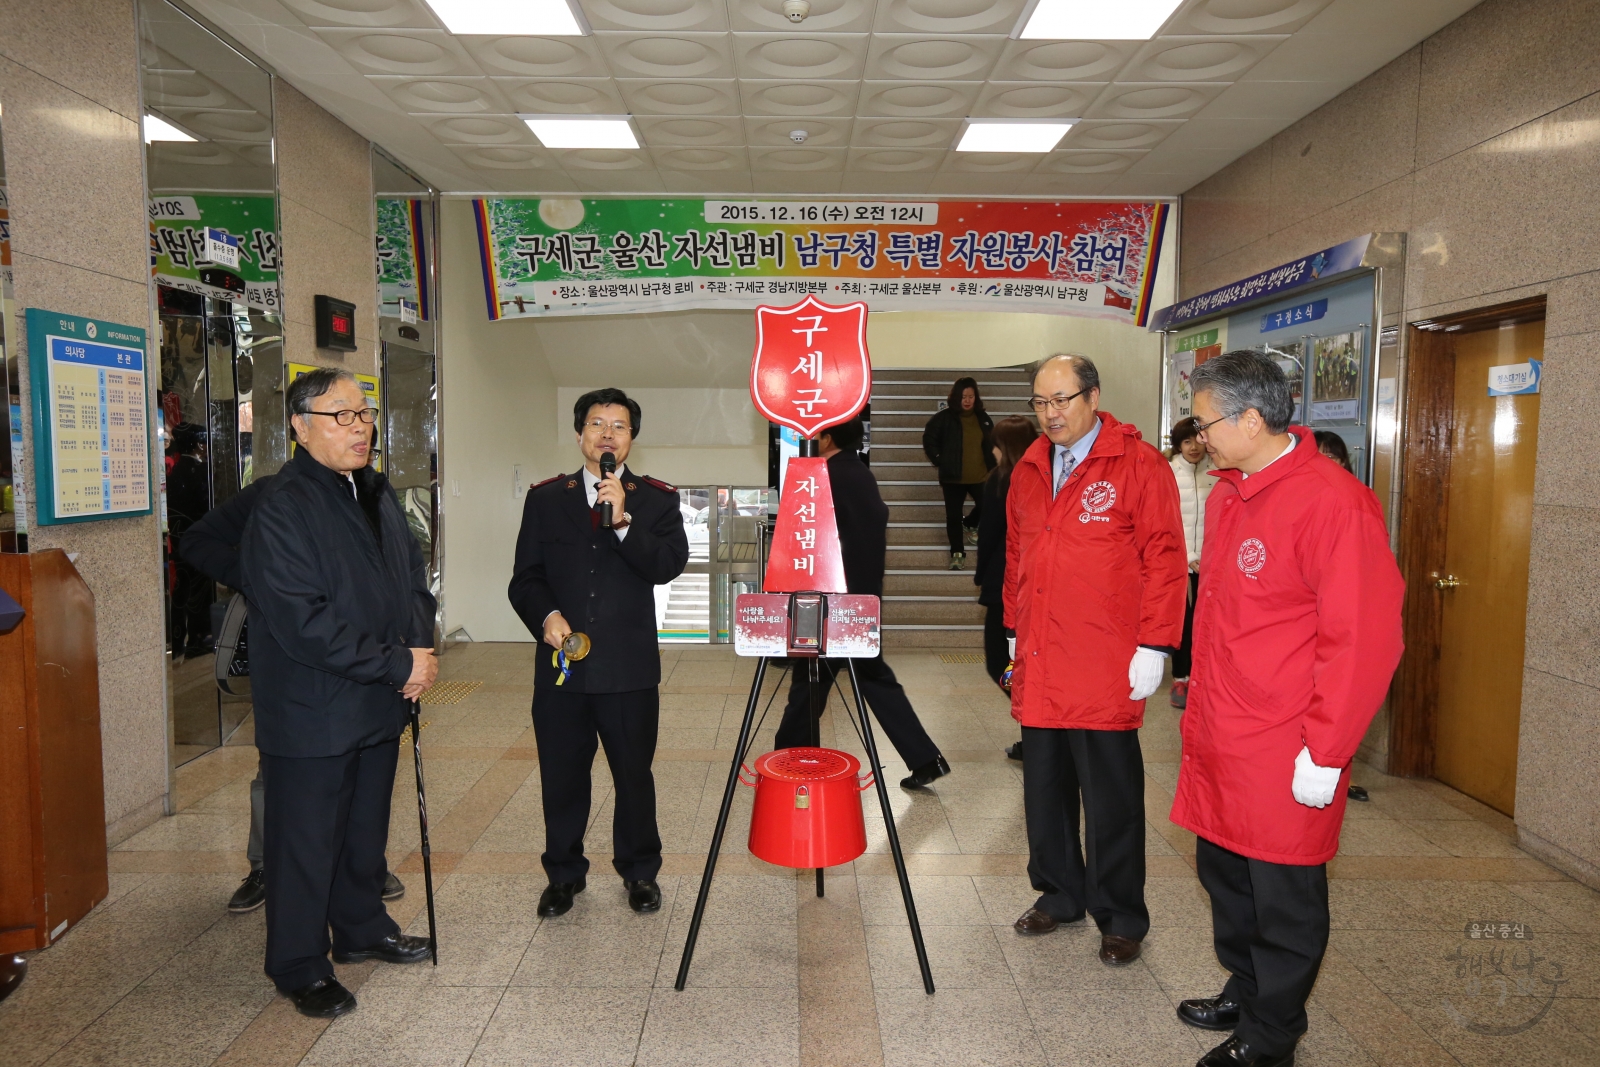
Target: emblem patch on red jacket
{"type": "Point", "coordinates": [1252, 555]}
{"type": "Point", "coordinates": [1097, 497]}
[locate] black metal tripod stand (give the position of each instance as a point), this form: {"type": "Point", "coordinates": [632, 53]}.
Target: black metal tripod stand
{"type": "Point", "coordinates": [741, 750]}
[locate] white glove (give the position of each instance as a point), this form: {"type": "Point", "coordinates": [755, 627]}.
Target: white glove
{"type": "Point", "coordinates": [1313, 786]}
{"type": "Point", "coordinates": [1145, 672]}
{"type": "Point", "coordinates": [1011, 646]}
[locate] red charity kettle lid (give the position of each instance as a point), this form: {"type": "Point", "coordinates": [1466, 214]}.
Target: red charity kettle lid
{"type": "Point", "coordinates": [807, 764]}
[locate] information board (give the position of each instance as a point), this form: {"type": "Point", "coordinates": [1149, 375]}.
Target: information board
{"type": "Point", "coordinates": [91, 426]}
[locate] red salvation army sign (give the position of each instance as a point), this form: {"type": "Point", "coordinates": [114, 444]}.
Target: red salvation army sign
{"type": "Point", "coordinates": [811, 368]}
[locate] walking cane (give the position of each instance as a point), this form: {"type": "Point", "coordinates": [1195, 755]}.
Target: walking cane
{"type": "Point", "coordinates": [422, 818]}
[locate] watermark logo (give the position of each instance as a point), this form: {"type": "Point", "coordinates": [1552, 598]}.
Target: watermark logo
{"type": "Point", "coordinates": [1507, 986]}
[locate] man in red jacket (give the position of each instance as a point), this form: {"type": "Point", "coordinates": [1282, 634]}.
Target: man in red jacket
{"type": "Point", "coordinates": [1296, 634]}
{"type": "Point", "coordinates": [1095, 582]}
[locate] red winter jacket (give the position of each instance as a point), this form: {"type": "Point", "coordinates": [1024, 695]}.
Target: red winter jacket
{"type": "Point", "coordinates": [1090, 576]}
{"type": "Point", "coordinates": [1296, 634]}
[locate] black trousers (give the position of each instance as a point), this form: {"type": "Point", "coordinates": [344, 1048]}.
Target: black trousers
{"type": "Point", "coordinates": [996, 652]}
{"type": "Point", "coordinates": [1104, 874]}
{"type": "Point", "coordinates": [327, 824]}
{"type": "Point", "coordinates": [955, 498]}
{"type": "Point", "coordinates": [883, 694]}
{"type": "Point", "coordinates": [568, 728]}
{"type": "Point", "coordinates": [1182, 660]}
{"type": "Point", "coordinates": [1270, 926]}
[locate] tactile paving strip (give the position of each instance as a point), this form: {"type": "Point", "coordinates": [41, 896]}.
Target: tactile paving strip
{"type": "Point", "coordinates": [449, 692]}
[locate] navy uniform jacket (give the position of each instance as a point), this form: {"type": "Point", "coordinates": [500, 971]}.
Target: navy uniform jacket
{"type": "Point", "coordinates": [863, 521]}
{"type": "Point", "coordinates": [603, 587]}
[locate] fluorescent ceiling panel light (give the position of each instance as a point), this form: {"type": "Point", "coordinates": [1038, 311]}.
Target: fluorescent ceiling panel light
{"type": "Point", "coordinates": [586, 131]}
{"type": "Point", "coordinates": [1097, 20]}
{"type": "Point", "coordinates": [983, 135]}
{"type": "Point", "coordinates": [157, 128]}
{"type": "Point", "coordinates": [509, 18]}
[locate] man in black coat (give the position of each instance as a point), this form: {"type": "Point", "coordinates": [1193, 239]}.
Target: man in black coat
{"type": "Point", "coordinates": [863, 521]}
{"type": "Point", "coordinates": [341, 636]}
{"type": "Point", "coordinates": [573, 574]}
{"type": "Point", "coordinates": [211, 546]}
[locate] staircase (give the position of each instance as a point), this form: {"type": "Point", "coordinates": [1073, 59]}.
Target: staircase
{"type": "Point", "coordinates": [927, 605]}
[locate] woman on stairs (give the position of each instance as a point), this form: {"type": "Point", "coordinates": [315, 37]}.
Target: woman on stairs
{"type": "Point", "coordinates": [957, 441]}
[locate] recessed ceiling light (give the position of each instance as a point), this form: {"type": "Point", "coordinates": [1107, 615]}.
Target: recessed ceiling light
{"type": "Point", "coordinates": [1011, 135]}
{"type": "Point", "coordinates": [582, 131]}
{"type": "Point", "coordinates": [510, 18]}
{"type": "Point", "coordinates": [1097, 20]}
{"type": "Point", "coordinates": [157, 128]}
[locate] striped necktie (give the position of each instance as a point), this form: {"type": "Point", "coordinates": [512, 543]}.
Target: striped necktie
{"type": "Point", "coordinates": [1068, 461]}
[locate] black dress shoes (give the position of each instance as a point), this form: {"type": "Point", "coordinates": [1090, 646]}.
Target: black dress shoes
{"type": "Point", "coordinates": [396, 948]}
{"type": "Point", "coordinates": [251, 894]}
{"type": "Point", "coordinates": [1116, 951]}
{"type": "Point", "coordinates": [1220, 1012]}
{"type": "Point", "coordinates": [643, 896]}
{"type": "Point", "coordinates": [393, 888]}
{"type": "Point", "coordinates": [323, 999]}
{"type": "Point", "coordinates": [1014, 751]}
{"type": "Point", "coordinates": [557, 898]}
{"type": "Point", "coordinates": [921, 776]}
{"type": "Point", "coordinates": [1236, 1053]}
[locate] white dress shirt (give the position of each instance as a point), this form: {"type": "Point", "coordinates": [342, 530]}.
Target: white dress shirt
{"type": "Point", "coordinates": [591, 486]}
{"type": "Point", "coordinates": [1079, 451]}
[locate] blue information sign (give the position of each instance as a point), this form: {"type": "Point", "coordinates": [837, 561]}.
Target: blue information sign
{"type": "Point", "coordinates": [1283, 318]}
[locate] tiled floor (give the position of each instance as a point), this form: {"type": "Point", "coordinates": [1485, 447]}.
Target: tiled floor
{"type": "Point", "coordinates": [160, 974]}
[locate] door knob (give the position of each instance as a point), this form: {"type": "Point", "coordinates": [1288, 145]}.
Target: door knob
{"type": "Point", "coordinates": [1449, 581]}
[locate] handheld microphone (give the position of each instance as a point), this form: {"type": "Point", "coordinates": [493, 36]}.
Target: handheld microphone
{"type": "Point", "coordinates": [608, 465]}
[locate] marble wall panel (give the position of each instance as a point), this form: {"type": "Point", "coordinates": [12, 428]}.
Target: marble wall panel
{"type": "Point", "coordinates": [1564, 592]}
{"type": "Point", "coordinates": [1560, 735]}
{"type": "Point", "coordinates": [1500, 65]}
{"type": "Point", "coordinates": [1229, 209]}
{"type": "Point", "coordinates": [1570, 397]}
{"type": "Point", "coordinates": [89, 45]}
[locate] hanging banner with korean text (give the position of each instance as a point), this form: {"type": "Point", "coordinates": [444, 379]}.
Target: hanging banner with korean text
{"type": "Point", "coordinates": [574, 257]}
{"type": "Point", "coordinates": [178, 247]}
{"type": "Point", "coordinates": [402, 260]}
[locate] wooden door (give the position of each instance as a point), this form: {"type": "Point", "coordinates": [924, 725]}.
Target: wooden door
{"type": "Point", "coordinates": [1483, 587]}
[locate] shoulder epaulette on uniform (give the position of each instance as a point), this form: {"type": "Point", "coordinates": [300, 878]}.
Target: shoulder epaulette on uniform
{"type": "Point", "coordinates": [658, 483]}
{"type": "Point", "coordinates": [547, 481]}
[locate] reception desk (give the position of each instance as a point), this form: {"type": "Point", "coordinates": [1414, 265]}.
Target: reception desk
{"type": "Point", "coordinates": [52, 795]}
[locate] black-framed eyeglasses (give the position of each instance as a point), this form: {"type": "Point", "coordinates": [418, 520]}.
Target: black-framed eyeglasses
{"type": "Point", "coordinates": [348, 416]}
{"type": "Point", "coordinates": [1200, 428]}
{"type": "Point", "coordinates": [1057, 402]}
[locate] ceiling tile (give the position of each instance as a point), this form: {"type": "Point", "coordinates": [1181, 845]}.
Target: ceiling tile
{"type": "Point", "coordinates": [1036, 100]}
{"type": "Point", "coordinates": [412, 13]}
{"type": "Point", "coordinates": [820, 133]}
{"type": "Point", "coordinates": [948, 16]}
{"type": "Point", "coordinates": [1245, 16]}
{"type": "Point", "coordinates": [1067, 61]}
{"type": "Point", "coordinates": [443, 96]}
{"type": "Point", "coordinates": [657, 97]}
{"type": "Point", "coordinates": [700, 159]}
{"type": "Point", "coordinates": [678, 55]}
{"type": "Point", "coordinates": [656, 15]}
{"type": "Point", "coordinates": [1147, 100]}
{"type": "Point", "coordinates": [506, 157]}
{"type": "Point", "coordinates": [951, 183]}
{"type": "Point", "coordinates": [562, 96]}
{"type": "Point", "coordinates": [896, 160]}
{"type": "Point", "coordinates": [937, 134]}
{"type": "Point", "coordinates": [1118, 135]}
{"type": "Point", "coordinates": [832, 56]}
{"type": "Point", "coordinates": [797, 158]}
{"type": "Point", "coordinates": [827, 16]}
{"type": "Point", "coordinates": [644, 180]}
{"type": "Point", "coordinates": [1198, 59]}
{"type": "Point", "coordinates": [1050, 185]}
{"type": "Point", "coordinates": [918, 58]}
{"type": "Point", "coordinates": [919, 99]}
{"type": "Point", "coordinates": [1271, 99]}
{"type": "Point", "coordinates": [576, 159]}
{"type": "Point", "coordinates": [187, 88]}
{"type": "Point", "coordinates": [415, 52]}
{"type": "Point", "coordinates": [991, 162]}
{"type": "Point", "coordinates": [887, 183]}
{"type": "Point", "coordinates": [704, 183]}
{"type": "Point", "coordinates": [802, 99]}
{"type": "Point", "coordinates": [1237, 135]}
{"type": "Point", "coordinates": [234, 127]}
{"type": "Point", "coordinates": [478, 129]}
{"type": "Point", "coordinates": [796, 182]}
{"type": "Point", "coordinates": [1064, 161]}
{"type": "Point", "coordinates": [661, 131]}
{"type": "Point", "coordinates": [538, 57]}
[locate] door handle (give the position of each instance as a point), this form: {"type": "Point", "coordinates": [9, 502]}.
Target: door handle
{"type": "Point", "coordinates": [1449, 581]}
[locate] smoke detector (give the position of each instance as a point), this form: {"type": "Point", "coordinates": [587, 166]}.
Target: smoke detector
{"type": "Point", "coordinates": [798, 136]}
{"type": "Point", "coordinates": [796, 10]}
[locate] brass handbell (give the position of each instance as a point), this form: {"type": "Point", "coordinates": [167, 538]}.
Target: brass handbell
{"type": "Point", "coordinates": [575, 646]}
